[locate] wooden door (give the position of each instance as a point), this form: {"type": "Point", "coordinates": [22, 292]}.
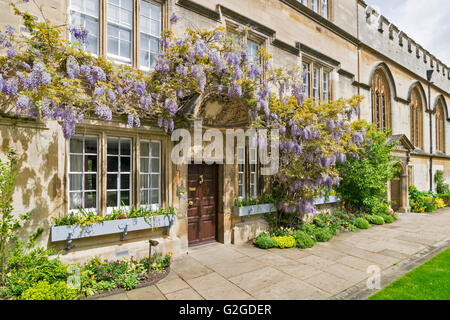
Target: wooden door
{"type": "Point", "coordinates": [202, 203]}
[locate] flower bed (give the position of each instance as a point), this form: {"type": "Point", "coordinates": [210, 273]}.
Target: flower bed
{"type": "Point", "coordinates": [426, 201]}
{"type": "Point", "coordinates": [322, 228]}
{"type": "Point", "coordinates": [36, 276]}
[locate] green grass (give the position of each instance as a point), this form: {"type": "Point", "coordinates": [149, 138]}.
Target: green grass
{"type": "Point", "coordinates": [430, 281]}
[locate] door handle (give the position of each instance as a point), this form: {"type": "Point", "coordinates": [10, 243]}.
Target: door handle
{"type": "Point", "coordinates": [190, 203]}
{"type": "Point", "coordinates": [200, 179]}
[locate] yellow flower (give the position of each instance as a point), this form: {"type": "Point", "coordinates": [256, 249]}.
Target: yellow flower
{"type": "Point", "coordinates": [170, 254]}
{"type": "Point", "coordinates": [92, 277]}
{"type": "Point", "coordinates": [32, 278]}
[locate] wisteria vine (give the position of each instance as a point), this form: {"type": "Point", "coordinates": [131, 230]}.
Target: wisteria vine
{"type": "Point", "coordinates": [43, 76]}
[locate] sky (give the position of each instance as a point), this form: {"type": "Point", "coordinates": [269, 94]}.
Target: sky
{"type": "Point", "coordinates": [425, 21]}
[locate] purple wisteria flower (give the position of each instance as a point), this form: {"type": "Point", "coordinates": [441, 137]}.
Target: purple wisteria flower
{"type": "Point", "coordinates": [103, 112]}
{"type": "Point", "coordinates": [72, 68]}
{"type": "Point", "coordinates": [139, 87]}
{"type": "Point", "coordinates": [130, 120]}
{"type": "Point", "coordinates": [9, 30]}
{"type": "Point", "coordinates": [171, 106]}
{"type": "Point", "coordinates": [79, 33]}
{"type": "Point", "coordinates": [174, 18]}
{"type": "Point", "coordinates": [11, 53]}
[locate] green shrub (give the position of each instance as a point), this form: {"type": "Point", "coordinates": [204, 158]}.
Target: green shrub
{"type": "Point", "coordinates": [387, 218]}
{"type": "Point", "coordinates": [45, 291]}
{"type": "Point", "coordinates": [322, 234]}
{"type": "Point", "coordinates": [130, 281]}
{"type": "Point", "coordinates": [303, 240]}
{"type": "Point", "coordinates": [264, 241]}
{"type": "Point", "coordinates": [284, 241]}
{"type": "Point", "coordinates": [104, 286]}
{"type": "Point", "coordinates": [441, 186]}
{"type": "Point", "coordinates": [27, 268]}
{"type": "Point", "coordinates": [349, 226]}
{"type": "Point", "coordinates": [365, 178]}
{"type": "Point", "coordinates": [374, 219]}
{"type": "Point", "coordinates": [362, 223]}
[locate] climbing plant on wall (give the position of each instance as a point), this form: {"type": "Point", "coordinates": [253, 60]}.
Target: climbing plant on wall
{"type": "Point", "coordinates": [44, 76]}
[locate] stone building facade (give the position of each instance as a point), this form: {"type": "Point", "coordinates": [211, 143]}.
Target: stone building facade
{"type": "Point", "coordinates": [348, 49]}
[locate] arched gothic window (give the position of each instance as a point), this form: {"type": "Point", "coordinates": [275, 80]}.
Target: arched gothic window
{"type": "Point", "coordinates": [416, 118]}
{"type": "Point", "coordinates": [381, 101]}
{"type": "Point", "coordinates": [440, 129]}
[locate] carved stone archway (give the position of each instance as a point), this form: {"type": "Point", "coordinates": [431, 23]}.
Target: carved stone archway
{"type": "Point", "coordinates": [398, 189]}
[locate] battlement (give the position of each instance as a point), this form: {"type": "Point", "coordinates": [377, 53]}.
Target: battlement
{"type": "Point", "coordinates": [378, 33]}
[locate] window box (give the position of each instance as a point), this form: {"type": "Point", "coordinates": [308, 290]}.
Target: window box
{"type": "Point", "coordinates": [255, 209]}
{"type": "Point", "coordinates": [123, 226]}
{"type": "Point", "coordinates": [322, 200]}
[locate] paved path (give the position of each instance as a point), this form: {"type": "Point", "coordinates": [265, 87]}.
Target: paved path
{"type": "Point", "coordinates": [333, 270]}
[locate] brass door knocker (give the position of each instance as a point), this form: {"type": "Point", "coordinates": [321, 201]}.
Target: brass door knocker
{"type": "Point", "coordinates": [200, 179]}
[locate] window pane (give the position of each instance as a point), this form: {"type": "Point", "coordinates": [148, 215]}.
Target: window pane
{"type": "Point", "coordinates": [90, 182]}
{"type": "Point", "coordinates": [111, 183]}
{"type": "Point", "coordinates": [145, 165]}
{"type": "Point", "coordinates": [125, 164]}
{"type": "Point", "coordinates": [125, 147]}
{"type": "Point", "coordinates": [111, 199]}
{"type": "Point", "coordinates": [125, 49]}
{"type": "Point", "coordinates": [144, 197]}
{"type": "Point", "coordinates": [155, 146]}
{"type": "Point", "coordinates": [155, 181]}
{"type": "Point", "coordinates": [90, 163]}
{"type": "Point", "coordinates": [75, 182]}
{"type": "Point", "coordinates": [144, 181]}
{"type": "Point", "coordinates": [125, 181]}
{"type": "Point", "coordinates": [155, 165]}
{"type": "Point", "coordinates": [113, 146]}
{"type": "Point", "coordinates": [113, 164]}
{"type": "Point", "coordinates": [76, 144]}
{"type": "Point", "coordinates": [155, 196]}
{"type": "Point", "coordinates": [145, 151]}
{"type": "Point", "coordinates": [90, 200]}
{"type": "Point", "coordinates": [91, 144]}
{"type": "Point", "coordinates": [125, 198]}
{"type": "Point", "coordinates": [75, 200]}
{"type": "Point", "coordinates": [76, 163]}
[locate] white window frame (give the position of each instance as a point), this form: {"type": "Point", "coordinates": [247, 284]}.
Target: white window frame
{"type": "Point", "coordinates": [120, 25]}
{"type": "Point", "coordinates": [241, 171]}
{"type": "Point", "coordinates": [84, 15]}
{"type": "Point", "coordinates": [324, 8]}
{"type": "Point", "coordinates": [307, 66]}
{"type": "Point", "coordinates": [315, 83]}
{"type": "Point", "coordinates": [315, 5]}
{"type": "Point", "coordinates": [141, 33]}
{"type": "Point", "coordinates": [119, 173]}
{"type": "Point", "coordinates": [253, 171]}
{"type": "Point", "coordinates": [149, 174]}
{"type": "Point", "coordinates": [253, 48]}
{"type": "Point", "coordinates": [83, 173]}
{"type": "Point", "coordinates": [325, 85]}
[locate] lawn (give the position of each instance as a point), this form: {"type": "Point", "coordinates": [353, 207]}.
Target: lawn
{"type": "Point", "coordinates": [430, 281]}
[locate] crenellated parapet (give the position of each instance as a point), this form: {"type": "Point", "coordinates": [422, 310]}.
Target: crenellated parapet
{"type": "Point", "coordinates": [376, 32]}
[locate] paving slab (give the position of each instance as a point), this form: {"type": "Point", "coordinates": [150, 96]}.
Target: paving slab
{"type": "Point", "coordinates": [184, 294]}
{"type": "Point", "coordinates": [329, 282]}
{"type": "Point", "coordinates": [146, 293]}
{"type": "Point", "coordinates": [214, 287]}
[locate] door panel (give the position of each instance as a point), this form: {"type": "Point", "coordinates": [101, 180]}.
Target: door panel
{"type": "Point", "coordinates": [202, 194]}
